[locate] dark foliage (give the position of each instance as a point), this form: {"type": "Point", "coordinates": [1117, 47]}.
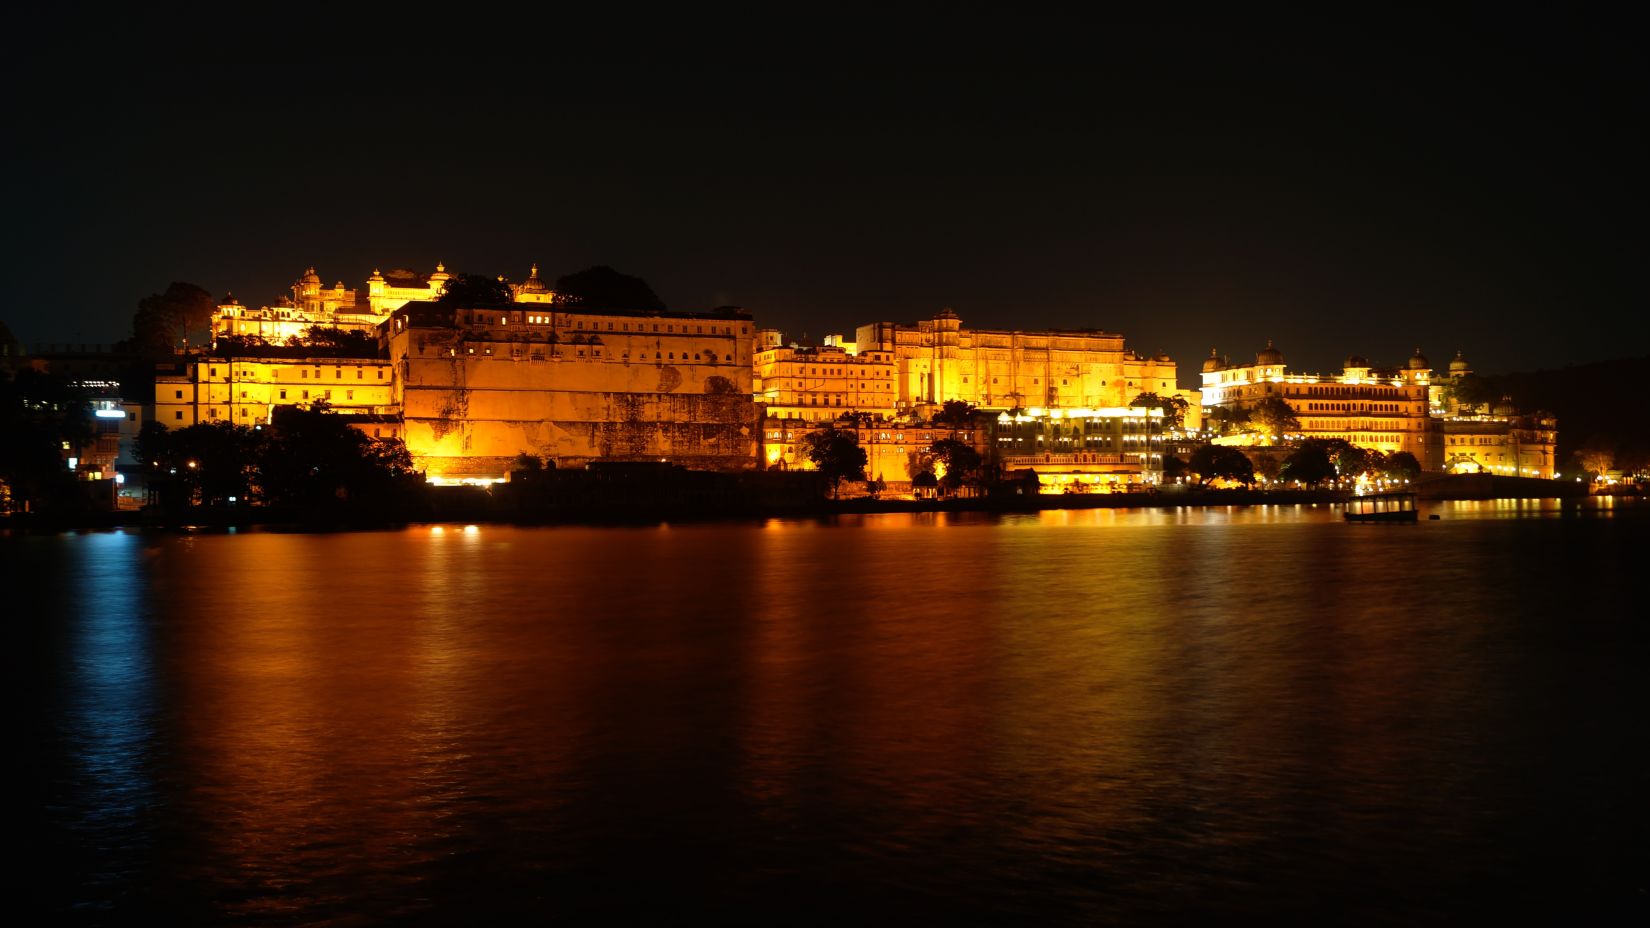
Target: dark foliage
{"type": "Point", "coordinates": [836, 455]}
{"type": "Point", "coordinates": [1309, 464]}
{"type": "Point", "coordinates": [38, 414]}
{"type": "Point", "coordinates": [601, 287]}
{"type": "Point", "coordinates": [1214, 461]}
{"type": "Point", "coordinates": [164, 320]}
{"type": "Point", "coordinates": [472, 290]}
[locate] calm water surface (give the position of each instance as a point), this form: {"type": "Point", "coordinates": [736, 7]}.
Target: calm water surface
{"type": "Point", "coordinates": [1063, 717]}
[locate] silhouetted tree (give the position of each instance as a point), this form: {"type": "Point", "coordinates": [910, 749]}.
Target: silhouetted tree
{"type": "Point", "coordinates": [1211, 462]}
{"type": "Point", "coordinates": [315, 460]}
{"type": "Point", "coordinates": [836, 455]}
{"type": "Point", "coordinates": [1174, 408]}
{"type": "Point", "coordinates": [601, 287]}
{"type": "Point", "coordinates": [164, 320]}
{"type": "Point", "coordinates": [955, 414]}
{"type": "Point", "coordinates": [206, 463]}
{"type": "Point", "coordinates": [472, 290]}
{"type": "Point", "coordinates": [1309, 464]}
{"type": "Point", "coordinates": [1401, 465]}
{"type": "Point", "coordinates": [962, 462]}
{"type": "Point", "coordinates": [1172, 467]}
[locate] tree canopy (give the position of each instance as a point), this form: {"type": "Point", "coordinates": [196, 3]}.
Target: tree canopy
{"type": "Point", "coordinates": [164, 320]}
{"type": "Point", "coordinates": [1309, 464]}
{"type": "Point", "coordinates": [601, 287]}
{"type": "Point", "coordinates": [1174, 408]}
{"type": "Point", "coordinates": [472, 290]}
{"type": "Point", "coordinates": [961, 462]}
{"type": "Point", "coordinates": [1211, 462]}
{"type": "Point", "coordinates": [954, 414]}
{"type": "Point", "coordinates": [1274, 418]}
{"type": "Point", "coordinates": [836, 455]}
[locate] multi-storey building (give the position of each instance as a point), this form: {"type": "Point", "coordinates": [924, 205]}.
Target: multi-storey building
{"type": "Point", "coordinates": [892, 447]}
{"type": "Point", "coordinates": [245, 391]}
{"type": "Point", "coordinates": [480, 386]}
{"type": "Point", "coordinates": [1501, 442]}
{"type": "Point", "coordinates": [1083, 450]}
{"type": "Point", "coordinates": [820, 384]}
{"type": "Point", "coordinates": [1381, 409]}
{"type": "Point", "coordinates": [938, 360]}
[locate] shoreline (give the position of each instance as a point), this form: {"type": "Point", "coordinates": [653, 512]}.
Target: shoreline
{"type": "Point", "coordinates": [485, 511]}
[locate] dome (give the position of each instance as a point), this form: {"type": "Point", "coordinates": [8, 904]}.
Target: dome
{"type": "Point", "coordinates": [1162, 357]}
{"type": "Point", "coordinates": [1269, 355]}
{"type": "Point", "coordinates": [533, 284]}
{"type": "Point", "coordinates": [310, 277]}
{"type": "Point", "coordinates": [1459, 365]}
{"type": "Point", "coordinates": [1419, 362]}
{"type": "Point", "coordinates": [1212, 362]}
{"type": "Point", "coordinates": [1356, 361]}
{"type": "Point", "coordinates": [1503, 408]}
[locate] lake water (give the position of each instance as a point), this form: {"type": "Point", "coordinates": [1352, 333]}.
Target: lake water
{"type": "Point", "coordinates": [1060, 717]}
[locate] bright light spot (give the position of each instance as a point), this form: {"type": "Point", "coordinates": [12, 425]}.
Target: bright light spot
{"type": "Point", "coordinates": [471, 529]}
{"type": "Point", "coordinates": [437, 529]}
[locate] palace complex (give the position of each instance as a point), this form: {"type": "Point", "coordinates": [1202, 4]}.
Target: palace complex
{"type": "Point", "coordinates": [469, 389]}
{"type": "Point", "coordinates": [1389, 410]}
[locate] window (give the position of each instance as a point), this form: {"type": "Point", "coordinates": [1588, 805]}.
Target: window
{"type": "Point", "coordinates": [304, 374]}
{"type": "Point", "coordinates": [180, 394]}
{"type": "Point", "coordinates": [283, 394]}
{"type": "Point", "coordinates": [349, 394]}
{"type": "Point", "coordinates": [360, 374]}
{"type": "Point", "coordinates": [306, 394]}
{"type": "Point", "coordinates": [177, 415]}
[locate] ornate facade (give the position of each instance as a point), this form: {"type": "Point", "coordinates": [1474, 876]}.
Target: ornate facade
{"type": "Point", "coordinates": [938, 360]}
{"type": "Point", "coordinates": [1384, 409]}
{"type": "Point", "coordinates": [820, 384]}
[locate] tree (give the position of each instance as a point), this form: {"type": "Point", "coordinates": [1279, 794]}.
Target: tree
{"type": "Point", "coordinates": [1172, 467]}
{"type": "Point", "coordinates": [1174, 408]}
{"type": "Point", "coordinates": [601, 287]}
{"type": "Point", "coordinates": [344, 343]}
{"type": "Point", "coordinates": [1210, 462]}
{"type": "Point", "coordinates": [163, 320]}
{"type": "Point", "coordinates": [955, 414]}
{"type": "Point", "coordinates": [961, 462]}
{"type": "Point", "coordinates": [836, 455]}
{"type": "Point", "coordinates": [1274, 418]}
{"type": "Point", "coordinates": [1597, 455]}
{"type": "Point", "coordinates": [314, 459]}
{"type": "Point", "coordinates": [1309, 465]}
{"type": "Point", "coordinates": [206, 464]}
{"type": "Point", "coordinates": [1401, 465]}
{"type": "Point", "coordinates": [1228, 419]}
{"type": "Point", "coordinates": [472, 290]}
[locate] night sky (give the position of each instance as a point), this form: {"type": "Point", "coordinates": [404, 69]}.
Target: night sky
{"type": "Point", "coordinates": [1347, 189]}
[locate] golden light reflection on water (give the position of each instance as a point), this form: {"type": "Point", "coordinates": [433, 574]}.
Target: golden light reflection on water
{"type": "Point", "coordinates": [401, 715]}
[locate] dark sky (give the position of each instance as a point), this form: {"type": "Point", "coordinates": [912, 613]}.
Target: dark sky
{"type": "Point", "coordinates": [1344, 189]}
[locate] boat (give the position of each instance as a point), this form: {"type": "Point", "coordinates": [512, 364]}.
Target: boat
{"type": "Point", "coordinates": [1381, 507]}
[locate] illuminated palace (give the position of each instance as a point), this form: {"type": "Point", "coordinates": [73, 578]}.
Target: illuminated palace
{"type": "Point", "coordinates": [477, 387]}
{"type": "Point", "coordinates": [312, 304]}
{"type": "Point", "coordinates": [1049, 389]}
{"type": "Point", "coordinates": [938, 360]}
{"type": "Point", "coordinates": [820, 384]}
{"type": "Point", "coordinates": [1384, 409]}
{"type": "Point", "coordinates": [1493, 439]}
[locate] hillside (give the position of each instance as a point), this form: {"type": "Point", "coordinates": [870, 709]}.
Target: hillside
{"type": "Point", "coordinates": [1592, 401]}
